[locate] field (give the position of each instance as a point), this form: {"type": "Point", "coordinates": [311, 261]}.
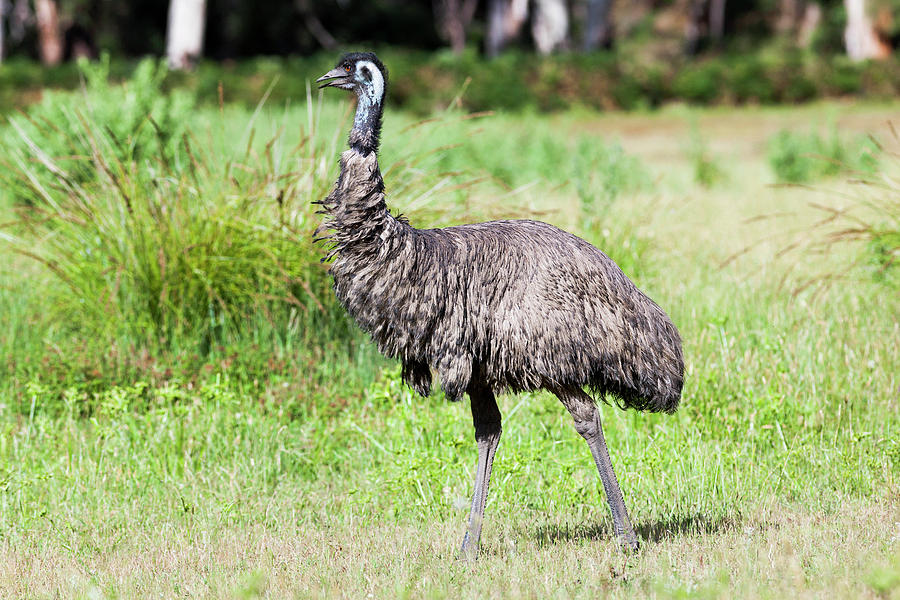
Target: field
{"type": "Point", "coordinates": [236, 437]}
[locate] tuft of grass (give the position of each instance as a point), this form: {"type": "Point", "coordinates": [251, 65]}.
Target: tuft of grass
{"type": "Point", "coordinates": [708, 171]}
{"type": "Point", "coordinates": [134, 122]}
{"type": "Point", "coordinates": [885, 579]}
{"type": "Point", "coordinates": [195, 249]}
{"type": "Point", "coordinates": [866, 221]}
{"type": "Point", "coordinates": [801, 158]}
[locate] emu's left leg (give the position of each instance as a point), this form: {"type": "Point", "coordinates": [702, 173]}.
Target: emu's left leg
{"type": "Point", "coordinates": [486, 418]}
{"type": "Point", "coordinates": [587, 422]}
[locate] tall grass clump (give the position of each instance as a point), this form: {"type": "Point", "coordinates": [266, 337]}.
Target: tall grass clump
{"type": "Point", "coordinates": [138, 118]}
{"type": "Point", "coordinates": [865, 225]}
{"type": "Point", "coordinates": [708, 171]}
{"type": "Point", "coordinates": [801, 158]}
{"type": "Point", "coordinates": [170, 237]}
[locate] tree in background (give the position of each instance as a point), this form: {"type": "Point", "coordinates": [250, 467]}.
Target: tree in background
{"type": "Point", "coordinates": [864, 36]}
{"type": "Point", "coordinates": [550, 25]}
{"type": "Point", "coordinates": [453, 19]}
{"type": "Point", "coordinates": [504, 23]}
{"type": "Point", "coordinates": [598, 28]}
{"type": "Point", "coordinates": [798, 20]}
{"type": "Point", "coordinates": [3, 11]}
{"type": "Point", "coordinates": [50, 42]}
{"type": "Point", "coordinates": [184, 30]}
{"type": "Point", "coordinates": [184, 34]}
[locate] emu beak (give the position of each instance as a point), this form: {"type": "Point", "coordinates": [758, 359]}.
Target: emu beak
{"type": "Point", "coordinates": [335, 78]}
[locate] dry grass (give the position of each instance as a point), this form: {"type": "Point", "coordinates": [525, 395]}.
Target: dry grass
{"type": "Point", "coordinates": [776, 552]}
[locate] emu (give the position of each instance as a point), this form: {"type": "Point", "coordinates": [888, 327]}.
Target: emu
{"type": "Point", "coordinates": [503, 306]}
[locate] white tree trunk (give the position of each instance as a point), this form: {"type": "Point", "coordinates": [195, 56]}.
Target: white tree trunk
{"type": "Point", "coordinates": [184, 35]}
{"type": "Point", "coordinates": [505, 20]}
{"type": "Point", "coordinates": [551, 25]}
{"type": "Point", "coordinates": [860, 37]}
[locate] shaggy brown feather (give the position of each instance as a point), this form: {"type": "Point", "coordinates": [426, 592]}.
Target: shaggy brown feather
{"type": "Point", "coordinates": [513, 305]}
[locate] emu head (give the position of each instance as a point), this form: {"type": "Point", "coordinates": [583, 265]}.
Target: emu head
{"type": "Point", "coordinates": [361, 72]}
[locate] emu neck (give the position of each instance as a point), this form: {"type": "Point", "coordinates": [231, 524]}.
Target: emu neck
{"type": "Point", "coordinates": [364, 136]}
{"type": "Point", "coordinates": [356, 213]}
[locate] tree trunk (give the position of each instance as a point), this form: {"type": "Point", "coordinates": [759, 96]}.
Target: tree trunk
{"type": "Point", "coordinates": [598, 31]}
{"type": "Point", "coordinates": [453, 18]}
{"type": "Point", "coordinates": [505, 20]}
{"type": "Point", "coordinates": [717, 20]}
{"type": "Point", "coordinates": [860, 37]}
{"type": "Point", "coordinates": [789, 13]}
{"type": "Point", "coordinates": [695, 26]}
{"type": "Point", "coordinates": [2, 28]}
{"type": "Point", "coordinates": [49, 38]}
{"type": "Point", "coordinates": [550, 26]}
{"type": "Point", "coordinates": [184, 36]}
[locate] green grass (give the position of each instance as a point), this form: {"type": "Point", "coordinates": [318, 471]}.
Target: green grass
{"type": "Point", "coordinates": [287, 460]}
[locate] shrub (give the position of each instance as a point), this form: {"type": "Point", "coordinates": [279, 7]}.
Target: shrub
{"type": "Point", "coordinates": [159, 237]}
{"type": "Point", "coordinates": [137, 119]}
{"type": "Point", "coordinates": [700, 83]}
{"type": "Point", "coordinates": [840, 76]}
{"type": "Point", "coordinates": [423, 82]}
{"type": "Point", "coordinates": [748, 81]}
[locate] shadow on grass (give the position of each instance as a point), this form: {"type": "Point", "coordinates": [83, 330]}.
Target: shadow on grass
{"type": "Point", "coordinates": [650, 531]}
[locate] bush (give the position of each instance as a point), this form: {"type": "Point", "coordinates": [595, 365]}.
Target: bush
{"type": "Point", "coordinates": [840, 76]}
{"type": "Point", "coordinates": [700, 83]}
{"type": "Point", "coordinates": [748, 81]}
{"type": "Point", "coordinates": [159, 237]}
{"type": "Point", "coordinates": [138, 121]}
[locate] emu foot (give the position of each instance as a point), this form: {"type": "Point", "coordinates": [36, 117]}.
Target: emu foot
{"type": "Point", "coordinates": [629, 542]}
{"type": "Point", "coordinates": [469, 550]}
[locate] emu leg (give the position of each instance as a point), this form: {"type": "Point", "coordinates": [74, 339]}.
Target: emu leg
{"type": "Point", "coordinates": [587, 423]}
{"type": "Point", "coordinates": [486, 418]}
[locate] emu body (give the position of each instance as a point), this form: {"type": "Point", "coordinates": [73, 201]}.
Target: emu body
{"type": "Point", "coordinates": [492, 307]}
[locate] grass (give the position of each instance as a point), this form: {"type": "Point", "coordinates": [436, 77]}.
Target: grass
{"type": "Point", "coordinates": [274, 468]}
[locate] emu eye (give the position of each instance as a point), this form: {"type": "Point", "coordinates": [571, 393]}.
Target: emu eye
{"type": "Point", "coordinates": [347, 68]}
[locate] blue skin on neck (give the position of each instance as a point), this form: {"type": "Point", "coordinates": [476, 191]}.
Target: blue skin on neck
{"type": "Point", "coordinates": [367, 122]}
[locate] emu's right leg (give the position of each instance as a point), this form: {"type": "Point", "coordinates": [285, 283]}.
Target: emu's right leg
{"type": "Point", "coordinates": [486, 418]}
{"type": "Point", "coordinates": [587, 422]}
